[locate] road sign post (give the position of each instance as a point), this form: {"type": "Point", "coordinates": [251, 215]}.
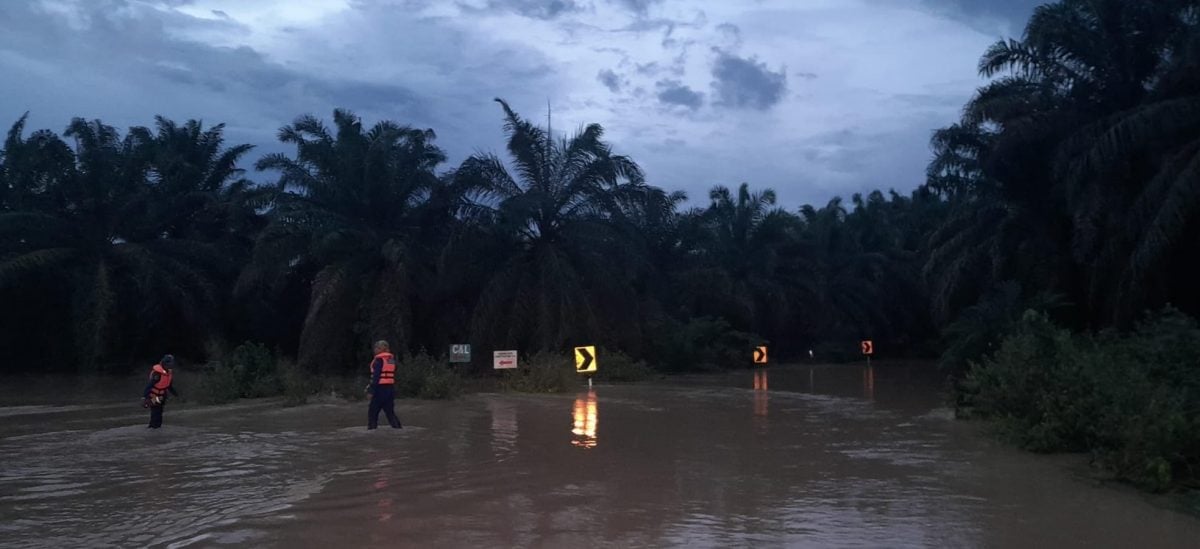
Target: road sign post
{"type": "Point", "coordinates": [868, 349]}
{"type": "Point", "coordinates": [760, 354]}
{"type": "Point", "coordinates": [585, 361]}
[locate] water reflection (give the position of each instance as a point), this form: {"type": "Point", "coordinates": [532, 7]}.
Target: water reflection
{"type": "Point", "coordinates": [585, 416]}
{"type": "Point", "coordinates": [760, 393]}
{"type": "Point", "coordinates": [760, 380]}
{"type": "Point", "coordinates": [869, 383]}
{"type": "Point", "coordinates": [386, 499]}
{"type": "Point", "coordinates": [504, 428]}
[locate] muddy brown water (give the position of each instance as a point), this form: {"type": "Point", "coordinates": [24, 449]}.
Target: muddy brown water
{"type": "Point", "coordinates": [836, 456]}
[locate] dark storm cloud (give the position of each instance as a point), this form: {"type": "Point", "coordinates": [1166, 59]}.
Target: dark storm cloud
{"type": "Point", "coordinates": [638, 6]}
{"type": "Point", "coordinates": [126, 61]}
{"type": "Point", "coordinates": [610, 80]}
{"type": "Point", "coordinates": [746, 83]}
{"type": "Point", "coordinates": [146, 48]}
{"type": "Point", "coordinates": [536, 9]}
{"type": "Point", "coordinates": [673, 92]}
{"type": "Point", "coordinates": [654, 68]}
{"type": "Point", "coordinates": [667, 26]}
{"type": "Point", "coordinates": [731, 32]}
{"type": "Point", "coordinates": [649, 69]}
{"type": "Point", "coordinates": [976, 12]}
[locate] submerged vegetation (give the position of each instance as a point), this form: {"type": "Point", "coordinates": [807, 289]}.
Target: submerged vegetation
{"type": "Point", "coordinates": [1070, 187]}
{"type": "Point", "coordinates": [1131, 399]}
{"type": "Point", "coordinates": [544, 372]}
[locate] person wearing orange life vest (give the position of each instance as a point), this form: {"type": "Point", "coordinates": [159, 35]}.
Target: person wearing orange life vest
{"type": "Point", "coordinates": [382, 389]}
{"type": "Point", "coordinates": [154, 396]}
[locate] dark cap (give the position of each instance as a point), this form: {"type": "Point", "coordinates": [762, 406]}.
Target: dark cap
{"type": "Point", "coordinates": [168, 359]}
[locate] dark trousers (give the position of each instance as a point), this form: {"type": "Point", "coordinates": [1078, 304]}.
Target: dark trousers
{"type": "Point", "coordinates": [384, 398]}
{"type": "Point", "coordinates": [156, 416]}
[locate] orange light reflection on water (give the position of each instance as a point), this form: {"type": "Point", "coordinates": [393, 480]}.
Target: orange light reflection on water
{"type": "Point", "coordinates": [385, 499]}
{"type": "Point", "coordinates": [760, 393]}
{"type": "Point", "coordinates": [585, 416]}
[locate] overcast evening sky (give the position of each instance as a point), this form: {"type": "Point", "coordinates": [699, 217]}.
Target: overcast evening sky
{"type": "Point", "coordinates": [814, 98]}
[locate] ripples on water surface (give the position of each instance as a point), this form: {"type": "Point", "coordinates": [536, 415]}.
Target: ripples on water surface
{"type": "Point", "coordinates": [830, 456]}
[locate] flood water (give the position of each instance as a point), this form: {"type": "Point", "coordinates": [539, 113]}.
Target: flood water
{"type": "Point", "coordinates": [837, 456]}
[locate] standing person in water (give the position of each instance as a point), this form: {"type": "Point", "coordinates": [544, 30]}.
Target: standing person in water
{"type": "Point", "coordinates": [382, 389]}
{"type": "Point", "coordinates": [154, 396]}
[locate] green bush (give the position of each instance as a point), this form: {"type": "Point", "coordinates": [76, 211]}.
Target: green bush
{"type": "Point", "coordinates": [542, 373]}
{"type": "Point", "coordinates": [423, 376]}
{"type": "Point", "coordinates": [352, 388]}
{"type": "Point", "coordinates": [1133, 400]}
{"type": "Point", "coordinates": [1035, 387]}
{"type": "Point", "coordinates": [701, 344]}
{"type": "Point", "coordinates": [838, 352]}
{"type": "Point", "coordinates": [615, 366]}
{"type": "Point", "coordinates": [979, 329]}
{"type": "Point", "coordinates": [219, 384]}
{"type": "Point", "coordinates": [297, 385]}
{"type": "Point", "coordinates": [249, 371]}
{"type": "Point", "coordinates": [257, 368]}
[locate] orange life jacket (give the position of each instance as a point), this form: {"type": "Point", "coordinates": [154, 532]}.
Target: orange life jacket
{"type": "Point", "coordinates": [388, 375]}
{"type": "Point", "coordinates": [159, 390]}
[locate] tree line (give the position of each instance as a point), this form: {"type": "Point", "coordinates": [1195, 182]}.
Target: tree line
{"type": "Point", "coordinates": [1071, 184]}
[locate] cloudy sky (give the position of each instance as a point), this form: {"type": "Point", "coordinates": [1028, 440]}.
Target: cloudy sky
{"type": "Point", "coordinates": [814, 98]}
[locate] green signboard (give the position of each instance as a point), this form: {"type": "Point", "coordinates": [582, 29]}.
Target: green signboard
{"type": "Point", "coordinates": [460, 352]}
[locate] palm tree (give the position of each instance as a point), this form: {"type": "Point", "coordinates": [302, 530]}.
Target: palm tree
{"type": "Point", "coordinates": [30, 166]}
{"type": "Point", "coordinates": [959, 154]}
{"type": "Point", "coordinates": [197, 193]}
{"type": "Point", "coordinates": [90, 232]}
{"type": "Point", "coordinates": [1133, 183]}
{"type": "Point", "coordinates": [897, 229]}
{"type": "Point", "coordinates": [840, 286]}
{"type": "Point", "coordinates": [567, 272]}
{"type": "Point", "coordinates": [344, 217]}
{"type": "Point", "coordinates": [1052, 153]}
{"type": "Point", "coordinates": [197, 187]}
{"type": "Point", "coordinates": [738, 271]}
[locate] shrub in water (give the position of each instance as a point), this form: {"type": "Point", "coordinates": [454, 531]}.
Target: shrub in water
{"type": "Point", "coordinates": [423, 376]}
{"type": "Point", "coordinates": [297, 386]}
{"type": "Point", "coordinates": [1011, 385]}
{"type": "Point", "coordinates": [256, 367]}
{"type": "Point", "coordinates": [618, 366]}
{"type": "Point", "coordinates": [1132, 400]}
{"type": "Point", "coordinates": [544, 372]}
{"type": "Point", "coordinates": [218, 384]}
{"type": "Point", "coordinates": [249, 371]}
{"type": "Point", "coordinates": [701, 344]}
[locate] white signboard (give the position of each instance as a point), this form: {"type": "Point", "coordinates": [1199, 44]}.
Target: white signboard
{"type": "Point", "coordinates": [503, 360]}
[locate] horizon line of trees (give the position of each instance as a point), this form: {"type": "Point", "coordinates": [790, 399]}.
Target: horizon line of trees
{"type": "Point", "coordinates": [1072, 184]}
{"type": "Point", "coordinates": [116, 247]}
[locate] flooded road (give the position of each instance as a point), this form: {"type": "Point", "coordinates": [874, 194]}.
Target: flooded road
{"type": "Point", "coordinates": [838, 456]}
